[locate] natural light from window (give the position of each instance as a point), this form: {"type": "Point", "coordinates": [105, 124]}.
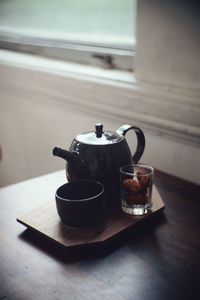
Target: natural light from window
{"type": "Point", "coordinates": [99, 22]}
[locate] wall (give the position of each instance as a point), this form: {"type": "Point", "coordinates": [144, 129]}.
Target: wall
{"type": "Point", "coordinates": [168, 43]}
{"type": "Point", "coordinates": [39, 110]}
{"type": "Point", "coordinates": [34, 118]}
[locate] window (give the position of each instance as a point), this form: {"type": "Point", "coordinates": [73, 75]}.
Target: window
{"type": "Point", "coordinates": [97, 32]}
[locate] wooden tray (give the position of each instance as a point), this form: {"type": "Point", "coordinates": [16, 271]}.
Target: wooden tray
{"type": "Point", "coordinates": [46, 221]}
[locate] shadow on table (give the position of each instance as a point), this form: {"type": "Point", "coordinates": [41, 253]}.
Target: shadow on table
{"type": "Point", "coordinates": [131, 236]}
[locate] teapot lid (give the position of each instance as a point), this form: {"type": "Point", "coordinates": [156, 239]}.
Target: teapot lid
{"type": "Point", "coordinates": [99, 137]}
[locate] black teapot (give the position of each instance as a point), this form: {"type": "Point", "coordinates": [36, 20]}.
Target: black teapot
{"type": "Point", "coordinates": [98, 155]}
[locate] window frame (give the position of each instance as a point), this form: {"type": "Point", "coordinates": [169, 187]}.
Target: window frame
{"type": "Point", "coordinates": [69, 51]}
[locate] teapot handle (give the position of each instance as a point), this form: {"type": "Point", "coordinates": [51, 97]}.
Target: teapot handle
{"type": "Point", "coordinates": [140, 140]}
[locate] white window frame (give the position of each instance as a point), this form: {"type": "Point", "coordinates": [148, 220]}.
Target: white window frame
{"type": "Point", "coordinates": [88, 54]}
{"type": "Point", "coordinates": [69, 48]}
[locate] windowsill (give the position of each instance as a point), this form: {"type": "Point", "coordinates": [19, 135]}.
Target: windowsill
{"type": "Point", "coordinates": [68, 69]}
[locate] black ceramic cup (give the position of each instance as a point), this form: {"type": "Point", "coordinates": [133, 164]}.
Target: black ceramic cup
{"type": "Point", "coordinates": [81, 203]}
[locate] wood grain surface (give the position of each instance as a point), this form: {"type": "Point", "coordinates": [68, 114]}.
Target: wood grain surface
{"type": "Point", "coordinates": [159, 259]}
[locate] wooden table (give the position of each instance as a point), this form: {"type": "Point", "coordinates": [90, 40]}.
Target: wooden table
{"type": "Point", "coordinates": [159, 259]}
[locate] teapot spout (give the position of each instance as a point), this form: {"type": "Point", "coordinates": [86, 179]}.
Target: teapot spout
{"type": "Point", "coordinates": [66, 155]}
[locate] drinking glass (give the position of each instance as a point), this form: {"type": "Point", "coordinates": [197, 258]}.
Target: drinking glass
{"type": "Point", "coordinates": [136, 181]}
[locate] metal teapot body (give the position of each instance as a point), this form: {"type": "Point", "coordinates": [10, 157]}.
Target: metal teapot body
{"type": "Point", "coordinates": [99, 155]}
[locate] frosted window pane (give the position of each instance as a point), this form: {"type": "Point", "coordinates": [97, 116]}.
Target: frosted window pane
{"type": "Point", "coordinates": [108, 22]}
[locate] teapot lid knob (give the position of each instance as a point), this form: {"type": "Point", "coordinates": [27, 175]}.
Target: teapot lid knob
{"type": "Point", "coordinates": [99, 130]}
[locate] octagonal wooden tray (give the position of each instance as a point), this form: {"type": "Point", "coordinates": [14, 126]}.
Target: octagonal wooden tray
{"type": "Point", "coordinates": [45, 220]}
